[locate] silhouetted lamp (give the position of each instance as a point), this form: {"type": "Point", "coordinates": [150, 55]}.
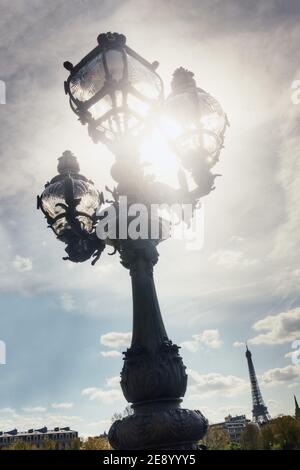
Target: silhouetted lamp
{"type": "Point", "coordinates": [119, 95]}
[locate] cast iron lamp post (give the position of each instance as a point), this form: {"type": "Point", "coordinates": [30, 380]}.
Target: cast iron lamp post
{"type": "Point", "coordinates": [119, 95]}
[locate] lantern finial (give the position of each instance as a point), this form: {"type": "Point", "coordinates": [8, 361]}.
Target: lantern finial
{"type": "Point", "coordinates": [67, 163]}
{"type": "Point", "coordinates": [182, 79]}
{"type": "Point", "coordinates": [111, 40]}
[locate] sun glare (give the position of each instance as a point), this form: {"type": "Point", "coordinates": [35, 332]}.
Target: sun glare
{"type": "Point", "coordinates": [162, 162]}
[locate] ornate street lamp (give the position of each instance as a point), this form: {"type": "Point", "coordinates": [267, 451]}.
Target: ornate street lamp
{"type": "Point", "coordinates": [119, 95]}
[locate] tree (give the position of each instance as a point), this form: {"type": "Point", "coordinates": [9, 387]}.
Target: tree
{"type": "Point", "coordinates": [281, 433]}
{"type": "Point", "coordinates": [232, 446]}
{"type": "Point", "coordinates": [75, 444]}
{"type": "Point", "coordinates": [126, 412]}
{"type": "Point", "coordinates": [216, 438]}
{"type": "Point", "coordinates": [47, 444]}
{"type": "Point", "coordinates": [251, 438]}
{"type": "Point", "coordinates": [96, 443]}
{"type": "Point", "coordinates": [20, 445]}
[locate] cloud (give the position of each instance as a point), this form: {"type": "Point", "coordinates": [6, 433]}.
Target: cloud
{"type": "Point", "coordinates": [105, 396]}
{"type": "Point", "coordinates": [113, 381]}
{"type": "Point", "coordinates": [282, 375]}
{"type": "Point", "coordinates": [62, 406]}
{"type": "Point", "coordinates": [116, 340]}
{"type": "Point", "coordinates": [191, 346]}
{"type": "Point", "coordinates": [208, 338]}
{"type": "Point", "coordinates": [279, 329]}
{"type": "Point", "coordinates": [112, 353]}
{"type": "Point", "coordinates": [233, 409]}
{"type": "Point", "coordinates": [231, 259]}
{"type": "Point", "coordinates": [67, 302]}
{"type": "Point", "coordinates": [7, 410]}
{"type": "Point", "coordinates": [289, 355]}
{"type": "Point", "coordinates": [214, 383]}
{"type": "Point", "coordinates": [293, 385]}
{"type": "Point", "coordinates": [211, 339]}
{"type": "Point", "coordinates": [22, 264]}
{"type": "Point", "coordinates": [238, 344]}
{"type": "Point", "coordinates": [35, 409]}
{"type": "Point", "coordinates": [273, 404]}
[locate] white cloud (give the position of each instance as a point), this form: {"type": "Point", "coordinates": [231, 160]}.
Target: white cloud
{"type": "Point", "coordinates": [35, 409]}
{"type": "Point", "coordinates": [233, 409]}
{"type": "Point", "coordinates": [7, 410]}
{"type": "Point", "coordinates": [116, 340]}
{"type": "Point", "coordinates": [208, 338]}
{"type": "Point", "coordinates": [112, 353]}
{"type": "Point", "coordinates": [191, 346]}
{"type": "Point", "coordinates": [279, 375]}
{"type": "Point", "coordinates": [273, 404]}
{"type": "Point", "coordinates": [22, 264]}
{"type": "Point", "coordinates": [289, 355]}
{"type": "Point", "coordinates": [238, 344]}
{"type": "Point", "coordinates": [113, 381]}
{"type": "Point", "coordinates": [293, 385]}
{"type": "Point", "coordinates": [106, 396]}
{"type": "Point", "coordinates": [211, 339]}
{"type": "Point", "coordinates": [279, 329]}
{"type": "Point", "coordinates": [67, 302]}
{"type": "Point", "coordinates": [214, 383]}
{"type": "Point", "coordinates": [62, 406]}
{"type": "Point", "coordinates": [232, 259]}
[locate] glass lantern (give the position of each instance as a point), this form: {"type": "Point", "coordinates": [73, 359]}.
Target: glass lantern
{"type": "Point", "coordinates": [194, 122]}
{"type": "Point", "coordinates": [70, 201]}
{"type": "Point", "coordinates": [113, 89]}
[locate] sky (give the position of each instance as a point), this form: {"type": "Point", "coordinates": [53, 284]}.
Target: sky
{"type": "Point", "coordinates": [65, 325]}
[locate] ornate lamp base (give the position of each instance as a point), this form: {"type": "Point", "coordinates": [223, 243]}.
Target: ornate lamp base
{"type": "Point", "coordinates": [153, 376]}
{"type": "Point", "coordinates": [158, 425]}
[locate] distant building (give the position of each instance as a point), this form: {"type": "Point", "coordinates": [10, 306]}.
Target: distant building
{"type": "Point", "coordinates": [61, 436]}
{"type": "Point", "coordinates": [234, 426]}
{"type": "Point", "coordinates": [297, 409]}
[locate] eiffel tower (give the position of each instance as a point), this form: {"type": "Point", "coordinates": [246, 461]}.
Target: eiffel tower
{"type": "Point", "coordinates": [260, 411]}
{"type": "Point", "coordinates": [297, 408]}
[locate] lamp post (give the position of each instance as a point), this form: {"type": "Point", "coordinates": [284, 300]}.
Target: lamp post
{"type": "Point", "coordinates": [119, 95]}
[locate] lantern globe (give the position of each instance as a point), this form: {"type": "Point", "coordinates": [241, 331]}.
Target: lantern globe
{"type": "Point", "coordinates": [70, 201]}
{"type": "Point", "coordinates": [113, 89]}
{"type": "Point", "coordinates": [193, 120]}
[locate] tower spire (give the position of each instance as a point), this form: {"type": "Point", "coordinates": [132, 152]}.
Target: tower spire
{"type": "Point", "coordinates": [259, 411]}
{"type": "Point", "coordinates": [297, 408]}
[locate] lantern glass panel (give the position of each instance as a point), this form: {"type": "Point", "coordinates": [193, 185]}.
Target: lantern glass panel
{"type": "Point", "coordinates": [88, 80]}
{"type": "Point", "coordinates": [143, 79]}
{"type": "Point", "coordinates": [115, 65]}
{"type": "Point", "coordinates": [194, 120]}
{"type": "Point", "coordinates": [55, 193]}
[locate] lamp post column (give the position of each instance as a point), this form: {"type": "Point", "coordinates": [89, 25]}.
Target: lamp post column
{"type": "Point", "coordinates": [153, 377]}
